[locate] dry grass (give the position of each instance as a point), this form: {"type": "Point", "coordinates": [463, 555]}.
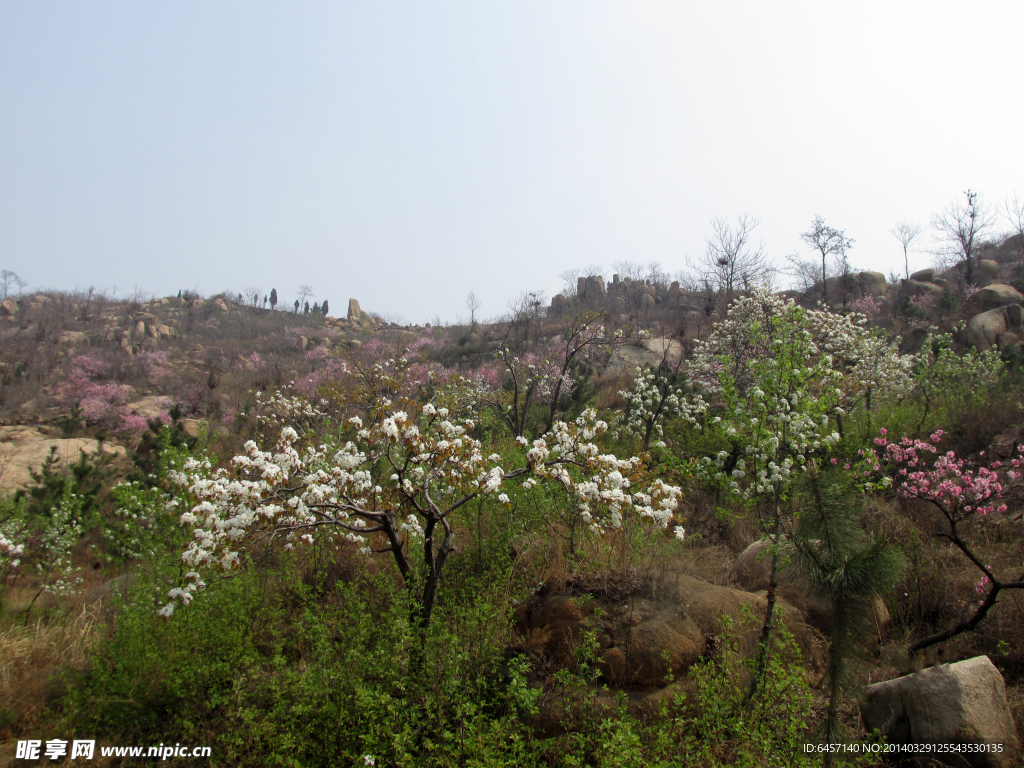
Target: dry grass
{"type": "Point", "coordinates": [32, 654]}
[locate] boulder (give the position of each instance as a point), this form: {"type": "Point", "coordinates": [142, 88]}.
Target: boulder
{"type": "Point", "coordinates": [595, 288]}
{"type": "Point", "coordinates": [642, 642]}
{"type": "Point", "coordinates": [873, 283]}
{"type": "Point", "coordinates": [752, 569]}
{"type": "Point", "coordinates": [647, 302]}
{"type": "Point", "coordinates": [9, 307]}
{"type": "Point", "coordinates": [985, 329]}
{"type": "Point", "coordinates": [22, 448]}
{"type": "Point", "coordinates": [151, 406]}
{"type": "Point", "coordinates": [559, 305]}
{"type": "Point", "coordinates": [923, 275]}
{"type": "Point", "coordinates": [961, 703]}
{"type": "Point", "coordinates": [915, 288]}
{"type": "Point", "coordinates": [992, 297]}
{"type": "Point", "coordinates": [354, 312]}
{"type": "Point", "coordinates": [72, 339]}
{"type": "Point", "coordinates": [986, 272]}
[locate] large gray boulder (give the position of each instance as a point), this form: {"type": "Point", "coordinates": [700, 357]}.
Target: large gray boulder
{"type": "Point", "coordinates": [873, 283]}
{"type": "Point", "coordinates": [992, 297]}
{"type": "Point", "coordinates": [985, 329]}
{"type": "Point", "coordinates": [354, 312]}
{"type": "Point", "coordinates": [986, 272]}
{"type": "Point", "coordinates": [924, 275]}
{"type": "Point", "coordinates": [962, 703]}
{"type": "Point", "coordinates": [915, 288]}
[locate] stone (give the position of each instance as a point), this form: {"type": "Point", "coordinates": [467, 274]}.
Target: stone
{"type": "Point", "coordinates": [72, 339]}
{"type": "Point", "coordinates": [873, 283]}
{"type": "Point", "coordinates": [192, 426]}
{"type": "Point", "coordinates": [22, 448]}
{"type": "Point", "coordinates": [985, 329]}
{"type": "Point", "coordinates": [960, 703]}
{"type": "Point", "coordinates": [9, 307]}
{"type": "Point", "coordinates": [559, 305]}
{"type": "Point", "coordinates": [354, 312]}
{"type": "Point", "coordinates": [1004, 445]}
{"type": "Point", "coordinates": [140, 328]}
{"type": "Point", "coordinates": [1007, 340]}
{"type": "Point", "coordinates": [303, 343]}
{"type": "Point", "coordinates": [620, 305]}
{"type": "Point", "coordinates": [923, 275]}
{"type": "Point", "coordinates": [991, 297]}
{"type": "Point", "coordinates": [914, 288]}
{"type": "Point", "coordinates": [752, 569]}
{"type": "Point", "coordinates": [647, 302]}
{"type": "Point", "coordinates": [151, 406]}
{"type": "Point", "coordinates": [986, 272]}
{"type": "Point", "coordinates": [595, 288]}
{"type": "Point", "coordinates": [219, 305]}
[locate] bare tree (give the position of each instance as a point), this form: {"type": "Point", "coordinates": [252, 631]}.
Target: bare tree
{"type": "Point", "coordinates": [472, 304]}
{"type": "Point", "coordinates": [634, 270]}
{"type": "Point", "coordinates": [305, 292]}
{"type": "Point", "coordinates": [252, 296]}
{"type": "Point", "coordinates": [524, 320]}
{"type": "Point", "coordinates": [731, 265]}
{"type": "Point", "coordinates": [906, 233]}
{"type": "Point", "coordinates": [1013, 212]}
{"type": "Point", "coordinates": [962, 226]}
{"type": "Point", "coordinates": [827, 241]}
{"type": "Point", "coordinates": [8, 279]}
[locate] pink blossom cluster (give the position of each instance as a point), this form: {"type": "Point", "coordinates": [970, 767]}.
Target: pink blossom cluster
{"type": "Point", "coordinates": [868, 306]}
{"type": "Point", "coordinates": [956, 485]}
{"type": "Point", "coordinates": [99, 401]}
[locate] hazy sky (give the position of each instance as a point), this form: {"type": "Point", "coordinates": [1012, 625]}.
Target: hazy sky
{"type": "Point", "coordinates": [408, 153]}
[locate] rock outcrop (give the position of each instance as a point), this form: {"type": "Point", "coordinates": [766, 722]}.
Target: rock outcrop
{"type": "Point", "coordinates": [25, 448]}
{"type": "Point", "coordinates": [985, 329]}
{"type": "Point", "coordinates": [961, 703]}
{"type": "Point", "coordinates": [642, 641]}
{"type": "Point", "coordinates": [992, 297]}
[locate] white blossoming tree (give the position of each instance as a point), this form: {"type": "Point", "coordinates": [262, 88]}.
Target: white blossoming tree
{"type": "Point", "coordinates": [394, 487]}
{"type": "Point", "coordinates": [655, 397]}
{"type": "Point", "coordinates": [781, 374]}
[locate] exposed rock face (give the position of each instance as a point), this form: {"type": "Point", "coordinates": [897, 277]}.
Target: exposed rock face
{"type": "Point", "coordinates": [991, 297]}
{"type": "Point", "coordinates": [752, 570]}
{"type": "Point", "coordinates": [986, 272]}
{"type": "Point", "coordinates": [354, 312]}
{"type": "Point", "coordinates": [923, 275]}
{"type": "Point", "coordinates": [9, 307]}
{"type": "Point", "coordinates": [873, 283]}
{"type": "Point", "coordinates": [961, 703]}
{"type": "Point", "coordinates": [649, 353]}
{"type": "Point", "coordinates": [642, 641]}
{"type": "Point", "coordinates": [915, 288]}
{"type": "Point", "coordinates": [559, 305]}
{"type": "Point", "coordinates": [22, 448]}
{"type": "Point", "coordinates": [985, 329]}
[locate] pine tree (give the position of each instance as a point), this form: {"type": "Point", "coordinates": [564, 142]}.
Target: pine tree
{"type": "Point", "coordinates": [323, 309]}
{"type": "Point", "coordinates": [847, 569]}
{"type": "Point", "coordinates": [273, 298]}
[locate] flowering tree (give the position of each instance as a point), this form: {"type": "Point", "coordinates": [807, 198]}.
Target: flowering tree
{"type": "Point", "coordinates": [542, 378]}
{"type": "Point", "coordinates": [779, 374]}
{"type": "Point", "coordinates": [940, 372]}
{"type": "Point", "coordinates": [392, 485]}
{"type": "Point", "coordinates": [654, 397]}
{"type": "Point", "coordinates": [963, 494]}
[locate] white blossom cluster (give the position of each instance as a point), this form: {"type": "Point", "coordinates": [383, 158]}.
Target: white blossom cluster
{"type": "Point", "coordinates": [12, 548]}
{"type": "Point", "coordinates": [651, 400]}
{"type": "Point", "coordinates": [781, 374]}
{"type": "Point", "coordinates": [399, 480]}
{"type": "Point", "coordinates": [604, 485]}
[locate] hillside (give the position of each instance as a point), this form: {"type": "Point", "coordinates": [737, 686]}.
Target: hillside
{"type": "Point", "coordinates": [551, 538]}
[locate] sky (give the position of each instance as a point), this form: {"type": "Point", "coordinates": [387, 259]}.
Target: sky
{"type": "Point", "coordinates": [407, 153]}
